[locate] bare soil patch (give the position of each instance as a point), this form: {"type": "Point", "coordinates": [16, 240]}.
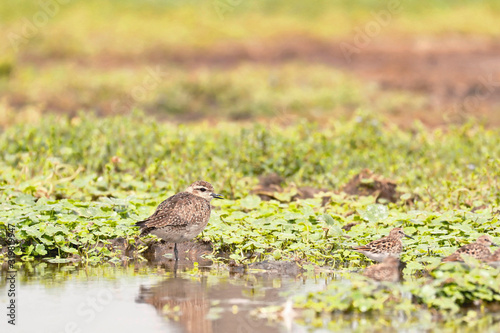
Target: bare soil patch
{"type": "Point", "coordinates": [272, 187]}
{"type": "Point", "coordinates": [459, 76]}
{"type": "Point", "coordinates": [367, 183]}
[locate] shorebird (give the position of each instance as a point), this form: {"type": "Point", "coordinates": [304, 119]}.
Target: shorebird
{"type": "Point", "coordinates": [494, 259]}
{"type": "Point", "coordinates": [384, 247]}
{"type": "Point", "coordinates": [182, 216]}
{"type": "Point", "coordinates": [388, 270]}
{"type": "Point", "coordinates": [480, 249]}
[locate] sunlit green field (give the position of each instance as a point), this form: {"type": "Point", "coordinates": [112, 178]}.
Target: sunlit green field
{"type": "Point", "coordinates": [138, 27]}
{"type": "Point", "coordinates": [187, 60]}
{"type": "Point", "coordinates": [72, 185]}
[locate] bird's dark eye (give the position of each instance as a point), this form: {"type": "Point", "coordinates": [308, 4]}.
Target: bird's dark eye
{"type": "Point", "coordinates": [203, 189]}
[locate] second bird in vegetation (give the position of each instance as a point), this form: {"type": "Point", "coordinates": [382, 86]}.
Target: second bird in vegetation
{"type": "Point", "coordinates": [388, 246]}
{"type": "Point", "coordinates": [389, 270]}
{"type": "Point", "coordinates": [182, 216]}
{"type": "Point", "coordinates": [494, 259]}
{"type": "Point", "coordinates": [480, 249]}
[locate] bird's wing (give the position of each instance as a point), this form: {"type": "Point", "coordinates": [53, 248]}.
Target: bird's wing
{"type": "Point", "coordinates": [475, 250]}
{"type": "Point", "coordinates": [495, 256]}
{"type": "Point", "coordinates": [382, 245]}
{"type": "Point", "coordinates": [453, 257]}
{"type": "Point", "coordinates": [378, 273]}
{"type": "Point", "coordinates": [465, 249]}
{"type": "Point", "coordinates": [479, 252]}
{"type": "Point", "coordinates": [178, 210]}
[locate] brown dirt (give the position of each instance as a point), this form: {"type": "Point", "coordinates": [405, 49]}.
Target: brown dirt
{"type": "Point", "coordinates": [459, 76]}
{"type": "Point", "coordinates": [271, 185]}
{"type": "Point", "coordinates": [268, 184]}
{"type": "Point", "coordinates": [349, 226]}
{"type": "Point", "coordinates": [272, 179]}
{"type": "Point", "coordinates": [367, 183]}
{"type": "Point", "coordinates": [308, 192]}
{"type": "Point", "coordinates": [446, 70]}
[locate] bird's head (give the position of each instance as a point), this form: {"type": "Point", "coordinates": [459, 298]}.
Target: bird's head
{"type": "Point", "coordinates": [203, 190]}
{"type": "Point", "coordinates": [485, 240]}
{"type": "Point", "coordinates": [398, 233]}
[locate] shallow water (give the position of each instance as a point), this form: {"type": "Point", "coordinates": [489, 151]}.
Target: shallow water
{"type": "Point", "coordinates": [138, 297]}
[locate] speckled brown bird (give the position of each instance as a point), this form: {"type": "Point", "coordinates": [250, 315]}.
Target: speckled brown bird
{"type": "Point", "coordinates": [182, 216]}
{"type": "Point", "coordinates": [390, 245]}
{"type": "Point", "coordinates": [389, 270]}
{"type": "Point", "coordinates": [480, 249]}
{"type": "Point", "coordinates": [494, 259]}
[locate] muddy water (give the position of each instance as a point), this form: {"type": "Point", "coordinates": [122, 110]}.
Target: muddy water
{"type": "Point", "coordinates": [140, 298]}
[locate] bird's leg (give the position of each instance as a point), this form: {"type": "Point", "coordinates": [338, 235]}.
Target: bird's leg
{"type": "Point", "coordinates": [176, 265]}
{"type": "Point", "coordinates": [175, 252]}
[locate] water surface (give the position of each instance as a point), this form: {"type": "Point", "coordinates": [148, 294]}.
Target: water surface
{"type": "Point", "coordinates": [138, 297]}
{"type": "Point", "coordinates": [141, 297]}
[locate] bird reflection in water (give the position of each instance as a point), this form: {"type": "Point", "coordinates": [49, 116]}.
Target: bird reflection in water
{"type": "Point", "coordinates": [187, 301]}
{"type": "Point", "coordinates": [181, 300]}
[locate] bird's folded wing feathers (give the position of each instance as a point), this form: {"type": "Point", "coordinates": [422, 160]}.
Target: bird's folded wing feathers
{"type": "Point", "coordinates": [163, 220]}
{"type": "Point", "coordinates": [474, 250]}
{"type": "Point", "coordinates": [465, 248]}
{"type": "Point", "coordinates": [371, 246]}
{"type": "Point", "coordinates": [361, 248]}
{"type": "Point", "coordinates": [178, 210]}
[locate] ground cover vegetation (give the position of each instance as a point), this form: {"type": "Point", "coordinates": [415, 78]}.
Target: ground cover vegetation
{"type": "Point", "coordinates": [73, 185]}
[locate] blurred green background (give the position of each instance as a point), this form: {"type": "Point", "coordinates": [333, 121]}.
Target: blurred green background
{"type": "Point", "coordinates": [248, 60]}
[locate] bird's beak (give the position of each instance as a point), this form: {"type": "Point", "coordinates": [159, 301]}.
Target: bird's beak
{"type": "Point", "coordinates": [217, 196]}
{"type": "Point", "coordinates": [494, 244]}
{"type": "Point", "coordinates": [409, 236]}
